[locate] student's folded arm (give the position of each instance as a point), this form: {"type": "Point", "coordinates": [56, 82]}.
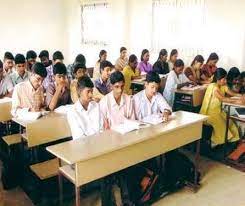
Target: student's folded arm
{"type": "Point", "coordinates": [233, 94]}
{"type": "Point", "coordinates": [221, 97]}
{"type": "Point", "coordinates": [52, 100]}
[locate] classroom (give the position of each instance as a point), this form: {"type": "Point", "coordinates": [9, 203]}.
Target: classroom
{"type": "Point", "coordinates": [122, 103]}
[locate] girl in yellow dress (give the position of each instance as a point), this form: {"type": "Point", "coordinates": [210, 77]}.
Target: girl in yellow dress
{"type": "Point", "coordinates": [214, 96]}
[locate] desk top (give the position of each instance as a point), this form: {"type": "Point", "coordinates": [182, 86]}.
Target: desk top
{"type": "Point", "coordinates": [233, 104]}
{"type": "Point", "coordinates": [108, 141]}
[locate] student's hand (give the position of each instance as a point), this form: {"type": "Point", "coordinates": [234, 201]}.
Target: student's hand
{"type": "Point", "coordinates": [166, 115]}
{"type": "Point", "coordinates": [106, 124]}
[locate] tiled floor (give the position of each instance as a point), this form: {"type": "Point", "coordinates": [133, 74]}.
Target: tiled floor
{"type": "Point", "coordinates": [221, 186]}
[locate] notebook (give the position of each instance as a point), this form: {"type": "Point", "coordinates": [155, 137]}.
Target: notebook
{"type": "Point", "coordinates": [153, 119]}
{"type": "Point", "coordinates": [240, 112]}
{"type": "Point", "coordinates": [126, 126]}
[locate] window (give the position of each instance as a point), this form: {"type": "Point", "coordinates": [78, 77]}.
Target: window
{"type": "Point", "coordinates": [95, 22]}
{"type": "Point", "coordinates": [178, 24]}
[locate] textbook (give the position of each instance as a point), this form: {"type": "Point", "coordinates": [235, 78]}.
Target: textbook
{"type": "Point", "coordinates": [240, 111]}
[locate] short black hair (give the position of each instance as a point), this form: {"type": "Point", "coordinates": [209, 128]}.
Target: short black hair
{"type": "Point", "coordinates": [213, 56]}
{"type": "Point", "coordinates": [1, 64]}
{"type": "Point", "coordinates": [132, 58]}
{"type": "Point", "coordinates": [242, 74]}
{"type": "Point", "coordinates": [58, 55]}
{"type": "Point", "coordinates": [105, 64]}
{"type": "Point", "coordinates": [122, 49]}
{"type": "Point", "coordinates": [116, 76]}
{"type": "Point", "coordinates": [84, 82]}
{"type": "Point", "coordinates": [39, 68]}
{"type": "Point", "coordinates": [19, 59]}
{"type": "Point", "coordinates": [44, 53]}
{"type": "Point", "coordinates": [59, 68]}
{"type": "Point", "coordinates": [78, 66]}
{"type": "Point", "coordinates": [8, 55]}
{"type": "Point", "coordinates": [153, 77]}
{"type": "Point", "coordinates": [219, 74]}
{"type": "Point", "coordinates": [179, 63]}
{"type": "Point", "coordinates": [31, 55]}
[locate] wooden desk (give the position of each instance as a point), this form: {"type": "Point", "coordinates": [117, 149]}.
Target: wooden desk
{"type": "Point", "coordinates": [49, 128]}
{"type": "Point", "coordinates": [5, 109]}
{"type": "Point", "coordinates": [117, 152]}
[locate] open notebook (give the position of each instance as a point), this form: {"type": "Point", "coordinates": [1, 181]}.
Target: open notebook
{"type": "Point", "coordinates": [240, 112]}
{"type": "Point", "coordinates": [153, 119]}
{"type": "Point", "coordinates": [126, 126]}
{"type": "Point", "coordinates": [31, 116]}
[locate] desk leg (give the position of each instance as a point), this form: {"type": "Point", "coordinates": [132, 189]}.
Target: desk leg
{"type": "Point", "coordinates": [226, 130]}
{"type": "Point", "coordinates": [197, 159]}
{"type": "Point", "coordinates": [77, 189]}
{"type": "Point", "coordinates": [60, 188]}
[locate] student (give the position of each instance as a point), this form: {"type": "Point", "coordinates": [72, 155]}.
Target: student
{"type": "Point", "coordinates": [193, 72]}
{"type": "Point", "coordinates": [6, 85]}
{"type": "Point", "coordinates": [161, 65]}
{"type": "Point", "coordinates": [102, 57]}
{"type": "Point", "coordinates": [116, 106]}
{"type": "Point", "coordinates": [84, 117]}
{"type": "Point", "coordinates": [122, 61]}
{"type": "Point", "coordinates": [211, 106]}
{"type": "Point", "coordinates": [130, 73]}
{"type": "Point", "coordinates": [79, 71]}
{"type": "Point", "coordinates": [234, 79]}
{"type": "Point", "coordinates": [209, 68]}
{"type": "Point", "coordinates": [58, 57]}
{"type": "Point", "coordinates": [242, 89]}
{"type": "Point", "coordinates": [20, 74]}
{"type": "Point", "coordinates": [28, 95]}
{"type": "Point", "coordinates": [102, 84]}
{"type": "Point", "coordinates": [144, 65]}
{"type": "Point", "coordinates": [149, 101]}
{"type": "Point", "coordinates": [176, 80]}
{"type": "Point", "coordinates": [58, 93]}
{"type": "Point", "coordinates": [44, 58]}
{"type": "Point", "coordinates": [80, 59]}
{"type": "Point", "coordinates": [31, 57]}
{"type": "Point", "coordinates": [8, 62]}
{"type": "Point", "coordinates": [172, 58]}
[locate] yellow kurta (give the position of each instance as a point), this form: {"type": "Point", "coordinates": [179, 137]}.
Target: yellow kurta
{"type": "Point", "coordinates": [211, 106]}
{"type": "Point", "coordinates": [128, 75]}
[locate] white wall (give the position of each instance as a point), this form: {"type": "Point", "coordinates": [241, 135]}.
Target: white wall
{"type": "Point", "coordinates": [32, 24]}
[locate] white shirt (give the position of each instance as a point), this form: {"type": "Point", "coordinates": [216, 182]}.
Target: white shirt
{"type": "Point", "coordinates": [144, 107]}
{"type": "Point", "coordinates": [84, 122]}
{"type": "Point", "coordinates": [6, 85]}
{"type": "Point", "coordinates": [171, 84]}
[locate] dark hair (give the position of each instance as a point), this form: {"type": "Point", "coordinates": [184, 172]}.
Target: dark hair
{"type": "Point", "coordinates": [173, 52]}
{"type": "Point", "coordinates": [39, 68]}
{"type": "Point", "coordinates": [31, 55]}
{"type": "Point", "coordinates": [105, 64]}
{"type": "Point", "coordinates": [199, 58]}
{"type": "Point", "coordinates": [179, 63]}
{"type": "Point", "coordinates": [132, 58]}
{"type": "Point", "coordinates": [122, 49]}
{"type": "Point", "coordinates": [163, 52]}
{"type": "Point", "coordinates": [78, 66]}
{"type": "Point", "coordinates": [8, 55]}
{"type": "Point", "coordinates": [19, 59]}
{"type": "Point", "coordinates": [213, 56]}
{"type": "Point", "coordinates": [102, 52]}
{"type": "Point", "coordinates": [59, 68]}
{"type": "Point", "coordinates": [144, 51]}
{"type": "Point", "coordinates": [58, 55]}
{"type": "Point", "coordinates": [233, 73]}
{"type": "Point", "coordinates": [80, 59]}
{"type": "Point", "coordinates": [84, 82]}
{"type": "Point", "coordinates": [1, 64]}
{"type": "Point", "coordinates": [116, 76]}
{"type": "Point", "coordinates": [153, 77]}
{"type": "Point", "coordinates": [219, 74]}
{"type": "Point", "coordinates": [44, 53]}
{"type": "Point", "coordinates": [242, 74]}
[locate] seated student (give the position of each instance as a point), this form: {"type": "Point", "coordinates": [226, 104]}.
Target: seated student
{"type": "Point", "coordinates": [79, 71]}
{"type": "Point", "coordinates": [116, 106]}
{"type": "Point", "coordinates": [6, 85]}
{"type": "Point", "coordinates": [149, 101]}
{"type": "Point", "coordinates": [161, 65]}
{"type": "Point", "coordinates": [211, 106]}
{"type": "Point", "coordinates": [80, 59]}
{"type": "Point", "coordinates": [20, 74]}
{"type": "Point", "coordinates": [102, 84]}
{"type": "Point", "coordinates": [144, 65]}
{"type": "Point", "coordinates": [234, 79]}
{"type": "Point", "coordinates": [44, 58]}
{"type": "Point", "coordinates": [31, 57]}
{"type": "Point", "coordinates": [102, 57]}
{"type": "Point", "coordinates": [193, 72]}
{"type": "Point", "coordinates": [58, 93]}
{"type": "Point", "coordinates": [84, 117]}
{"type": "Point", "coordinates": [242, 89]}
{"type": "Point", "coordinates": [122, 61]}
{"type": "Point", "coordinates": [172, 58]}
{"type": "Point", "coordinates": [208, 69]}
{"type": "Point", "coordinates": [130, 73]}
{"type": "Point", "coordinates": [176, 80]}
{"type": "Point", "coordinates": [8, 62]}
{"type": "Point", "coordinates": [28, 95]}
{"type": "Point", "coordinates": [58, 57]}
